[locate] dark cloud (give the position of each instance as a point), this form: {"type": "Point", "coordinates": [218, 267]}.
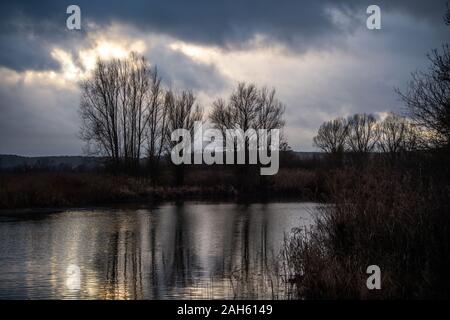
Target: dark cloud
{"type": "Point", "coordinates": [28, 30]}
{"type": "Point", "coordinates": [28, 53]}
{"type": "Point", "coordinates": [179, 71]}
{"type": "Point", "coordinates": [37, 119]}
{"type": "Point", "coordinates": [229, 24]}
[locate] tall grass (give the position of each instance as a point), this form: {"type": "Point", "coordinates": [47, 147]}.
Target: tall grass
{"type": "Point", "coordinates": [396, 219]}
{"type": "Point", "coordinates": [49, 189]}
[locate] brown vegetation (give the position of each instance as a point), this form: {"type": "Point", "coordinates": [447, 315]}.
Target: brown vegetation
{"type": "Point", "coordinates": [66, 189]}
{"type": "Point", "coordinates": [394, 214]}
{"type": "Point", "coordinates": [397, 220]}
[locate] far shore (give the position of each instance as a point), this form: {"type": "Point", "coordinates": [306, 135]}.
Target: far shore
{"type": "Point", "coordinates": [50, 191]}
{"type": "Point", "coordinates": [147, 205]}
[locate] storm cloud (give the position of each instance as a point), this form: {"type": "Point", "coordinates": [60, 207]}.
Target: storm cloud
{"type": "Point", "coordinates": [317, 54]}
{"type": "Point", "coordinates": [228, 24]}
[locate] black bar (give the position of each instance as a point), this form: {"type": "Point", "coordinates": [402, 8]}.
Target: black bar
{"type": "Point", "coordinates": [223, 309]}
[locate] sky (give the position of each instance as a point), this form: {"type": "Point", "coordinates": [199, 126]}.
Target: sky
{"type": "Point", "coordinates": [318, 55]}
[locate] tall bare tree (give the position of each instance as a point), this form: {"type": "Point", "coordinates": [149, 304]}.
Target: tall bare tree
{"type": "Point", "coordinates": [428, 99]}
{"type": "Point", "coordinates": [271, 114]}
{"type": "Point", "coordinates": [99, 110]}
{"type": "Point", "coordinates": [135, 75]}
{"type": "Point", "coordinates": [116, 106]}
{"type": "Point", "coordinates": [270, 110]}
{"type": "Point", "coordinates": [248, 108]}
{"type": "Point", "coordinates": [182, 113]}
{"type": "Point", "coordinates": [157, 115]}
{"type": "Point", "coordinates": [363, 133]}
{"type": "Point", "coordinates": [332, 136]}
{"type": "Point", "coordinates": [240, 112]}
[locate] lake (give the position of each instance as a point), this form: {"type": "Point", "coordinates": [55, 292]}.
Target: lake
{"type": "Point", "coordinates": [170, 251]}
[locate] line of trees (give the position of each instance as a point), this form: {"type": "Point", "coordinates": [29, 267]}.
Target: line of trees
{"type": "Point", "coordinates": [127, 114]}
{"type": "Point", "coordinates": [425, 127]}
{"type": "Point", "coordinates": [362, 134]}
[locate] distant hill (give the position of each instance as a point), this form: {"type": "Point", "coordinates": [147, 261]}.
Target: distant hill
{"type": "Point", "coordinates": [12, 162]}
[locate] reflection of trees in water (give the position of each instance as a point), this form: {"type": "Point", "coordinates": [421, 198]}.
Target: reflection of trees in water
{"type": "Point", "coordinates": [165, 262]}
{"type": "Point", "coordinates": [154, 279]}
{"type": "Point", "coordinates": [123, 264]}
{"type": "Point", "coordinates": [186, 251]}
{"type": "Point", "coordinates": [254, 273]}
{"type": "Point", "coordinates": [181, 272]}
{"type": "Point", "coordinates": [159, 257]}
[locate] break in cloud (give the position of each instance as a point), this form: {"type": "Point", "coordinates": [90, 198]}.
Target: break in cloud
{"type": "Point", "coordinates": [317, 54]}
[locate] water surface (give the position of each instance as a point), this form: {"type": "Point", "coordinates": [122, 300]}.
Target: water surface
{"type": "Point", "coordinates": [172, 251]}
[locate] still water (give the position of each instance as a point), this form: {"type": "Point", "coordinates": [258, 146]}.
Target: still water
{"type": "Point", "coordinates": [172, 251]}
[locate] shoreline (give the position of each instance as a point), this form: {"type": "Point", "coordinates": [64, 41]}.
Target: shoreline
{"type": "Point", "coordinates": [76, 190]}
{"type": "Point", "coordinates": [146, 205]}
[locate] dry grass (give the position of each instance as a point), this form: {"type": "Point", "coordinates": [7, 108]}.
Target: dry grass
{"type": "Point", "coordinates": [50, 190]}
{"type": "Point", "coordinates": [68, 189]}
{"type": "Point", "coordinates": [397, 220]}
{"type": "Point", "coordinates": [21, 190]}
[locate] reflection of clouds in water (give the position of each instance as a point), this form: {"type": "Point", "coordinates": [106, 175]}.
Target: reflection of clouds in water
{"type": "Point", "coordinates": [73, 277]}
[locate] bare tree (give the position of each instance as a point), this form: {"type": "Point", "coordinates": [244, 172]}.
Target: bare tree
{"type": "Point", "coordinates": [271, 114]}
{"type": "Point", "coordinates": [157, 119]}
{"type": "Point", "coordinates": [270, 111]}
{"type": "Point", "coordinates": [363, 133]}
{"type": "Point", "coordinates": [332, 136]}
{"type": "Point", "coordinates": [248, 108]}
{"type": "Point", "coordinates": [182, 112]}
{"type": "Point", "coordinates": [240, 112]}
{"type": "Point", "coordinates": [115, 108]}
{"type": "Point", "coordinates": [397, 135]}
{"type": "Point", "coordinates": [428, 99]}
{"type": "Point", "coordinates": [221, 116]}
{"type": "Point", "coordinates": [135, 75]}
{"type": "Point", "coordinates": [99, 110]}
